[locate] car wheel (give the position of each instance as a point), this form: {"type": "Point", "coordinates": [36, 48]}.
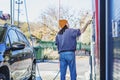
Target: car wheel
{"type": "Point", "coordinates": [33, 75]}
{"type": "Point", "coordinates": [2, 76]}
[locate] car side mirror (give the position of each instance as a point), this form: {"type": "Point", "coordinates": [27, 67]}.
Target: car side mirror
{"type": "Point", "coordinates": [18, 46]}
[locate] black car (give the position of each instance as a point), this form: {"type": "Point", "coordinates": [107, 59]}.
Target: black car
{"type": "Point", "coordinates": [17, 61]}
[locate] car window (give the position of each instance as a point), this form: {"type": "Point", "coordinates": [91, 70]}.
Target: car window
{"type": "Point", "coordinates": [13, 36]}
{"type": "Point", "coordinates": [23, 38]}
{"type": "Point", "coordinates": [2, 33]}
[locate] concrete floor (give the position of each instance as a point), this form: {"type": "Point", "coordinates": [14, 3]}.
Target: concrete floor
{"type": "Point", "coordinates": [49, 69]}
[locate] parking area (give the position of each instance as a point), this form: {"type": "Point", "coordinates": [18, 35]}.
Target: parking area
{"type": "Point", "coordinates": [49, 70]}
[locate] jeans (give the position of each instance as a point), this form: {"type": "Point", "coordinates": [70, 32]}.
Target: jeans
{"type": "Point", "coordinates": [67, 59]}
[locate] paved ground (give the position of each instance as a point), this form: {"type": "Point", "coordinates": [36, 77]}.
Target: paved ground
{"type": "Point", "coordinates": [49, 69]}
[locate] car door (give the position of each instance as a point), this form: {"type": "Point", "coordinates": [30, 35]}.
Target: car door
{"type": "Point", "coordinates": [16, 58]}
{"type": "Point", "coordinates": [28, 53]}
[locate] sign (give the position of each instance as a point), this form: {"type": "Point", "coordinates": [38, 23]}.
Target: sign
{"type": "Point", "coordinates": [116, 28]}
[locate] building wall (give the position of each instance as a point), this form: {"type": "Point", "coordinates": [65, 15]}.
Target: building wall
{"type": "Point", "coordinates": [115, 19]}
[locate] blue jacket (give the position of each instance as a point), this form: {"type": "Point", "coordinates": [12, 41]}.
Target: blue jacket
{"type": "Point", "coordinates": [67, 41]}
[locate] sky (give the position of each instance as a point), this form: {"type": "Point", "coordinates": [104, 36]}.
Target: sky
{"type": "Point", "coordinates": [35, 7]}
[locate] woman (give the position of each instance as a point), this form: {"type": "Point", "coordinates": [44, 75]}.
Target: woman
{"type": "Point", "coordinates": [66, 43]}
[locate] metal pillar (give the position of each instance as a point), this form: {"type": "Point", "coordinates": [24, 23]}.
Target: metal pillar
{"type": "Point", "coordinates": [102, 22]}
{"type": "Point", "coordinates": [109, 42]}
{"type": "Point", "coordinates": [11, 11]}
{"type": "Point", "coordinates": [19, 2]}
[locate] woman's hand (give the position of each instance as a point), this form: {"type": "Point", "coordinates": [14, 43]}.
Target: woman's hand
{"type": "Point", "coordinates": [88, 22]}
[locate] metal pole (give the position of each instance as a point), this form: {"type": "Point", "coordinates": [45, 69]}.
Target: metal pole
{"type": "Point", "coordinates": [93, 52]}
{"type": "Point", "coordinates": [11, 11]}
{"type": "Point", "coordinates": [93, 42]}
{"type": "Point", "coordinates": [18, 11]}
{"type": "Point", "coordinates": [90, 63]}
{"type": "Point", "coordinates": [19, 2]}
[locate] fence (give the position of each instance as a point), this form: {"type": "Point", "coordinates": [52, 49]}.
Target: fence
{"type": "Point", "coordinates": [50, 47]}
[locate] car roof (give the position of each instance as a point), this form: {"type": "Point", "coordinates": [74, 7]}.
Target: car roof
{"type": "Point", "coordinates": [8, 27]}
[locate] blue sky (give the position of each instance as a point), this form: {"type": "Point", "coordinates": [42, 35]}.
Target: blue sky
{"type": "Point", "coordinates": [35, 7]}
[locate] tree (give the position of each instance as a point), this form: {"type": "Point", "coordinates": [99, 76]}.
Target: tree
{"type": "Point", "coordinates": [50, 16]}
